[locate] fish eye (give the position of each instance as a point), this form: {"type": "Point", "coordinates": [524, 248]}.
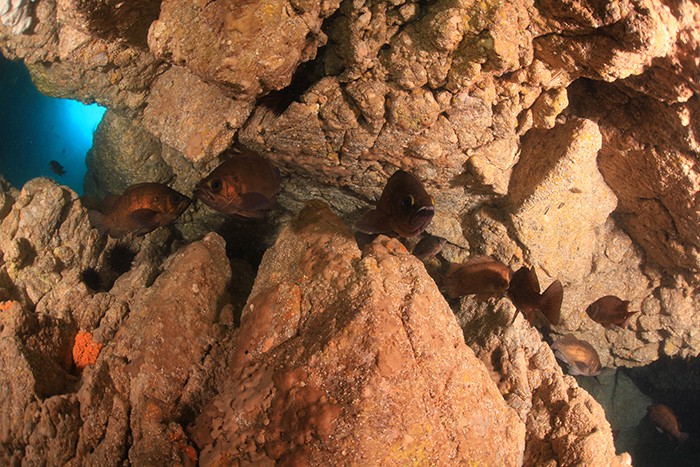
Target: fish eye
{"type": "Point", "coordinates": [407, 202]}
{"type": "Point", "coordinates": [215, 184]}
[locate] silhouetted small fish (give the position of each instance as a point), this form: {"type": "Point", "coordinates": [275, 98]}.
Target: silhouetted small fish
{"type": "Point", "coordinates": [580, 356]}
{"type": "Point", "coordinates": [482, 275]}
{"type": "Point", "coordinates": [142, 208]}
{"type": "Point", "coordinates": [524, 291]}
{"type": "Point", "coordinates": [244, 186]}
{"type": "Point", "coordinates": [666, 421]}
{"type": "Point", "coordinates": [428, 246]}
{"type": "Point", "coordinates": [57, 168]}
{"type": "Point", "coordinates": [278, 101]}
{"type": "Point", "coordinates": [609, 311]}
{"type": "Point", "coordinates": [404, 208]}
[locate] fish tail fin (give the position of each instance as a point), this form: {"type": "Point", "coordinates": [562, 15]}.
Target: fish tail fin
{"type": "Point", "coordinates": [98, 221]}
{"type": "Point", "coordinates": [550, 302]}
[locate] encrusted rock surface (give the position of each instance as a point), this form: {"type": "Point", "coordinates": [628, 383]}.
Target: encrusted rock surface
{"type": "Point", "coordinates": [250, 47]}
{"type": "Point", "coordinates": [340, 354]}
{"type": "Point", "coordinates": [351, 357]}
{"type": "Point", "coordinates": [553, 187]}
{"type": "Point", "coordinates": [565, 425]}
{"type": "Point", "coordinates": [191, 116]}
{"type": "Point", "coordinates": [559, 135]}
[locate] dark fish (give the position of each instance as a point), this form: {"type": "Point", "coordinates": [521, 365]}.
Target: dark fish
{"type": "Point", "coordinates": [524, 291]}
{"type": "Point", "coordinates": [244, 186]}
{"type": "Point", "coordinates": [666, 421]}
{"type": "Point", "coordinates": [142, 208]}
{"type": "Point", "coordinates": [304, 77]}
{"type": "Point", "coordinates": [57, 168]}
{"type": "Point", "coordinates": [580, 356]}
{"type": "Point", "coordinates": [482, 275]}
{"type": "Point", "coordinates": [404, 208]}
{"type": "Point", "coordinates": [610, 311]}
{"type": "Point", "coordinates": [428, 246]}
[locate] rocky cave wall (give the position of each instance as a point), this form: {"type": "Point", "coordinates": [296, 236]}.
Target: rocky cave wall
{"type": "Point", "coordinates": [561, 135]}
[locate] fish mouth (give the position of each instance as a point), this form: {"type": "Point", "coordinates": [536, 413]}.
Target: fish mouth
{"type": "Point", "coordinates": [422, 217]}
{"type": "Point", "coordinates": [417, 222]}
{"type": "Point", "coordinates": [203, 195]}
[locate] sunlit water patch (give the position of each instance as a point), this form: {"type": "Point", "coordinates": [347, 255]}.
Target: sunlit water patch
{"type": "Point", "coordinates": [36, 129]}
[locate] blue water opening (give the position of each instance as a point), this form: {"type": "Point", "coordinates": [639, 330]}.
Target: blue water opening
{"type": "Point", "coordinates": [36, 129]}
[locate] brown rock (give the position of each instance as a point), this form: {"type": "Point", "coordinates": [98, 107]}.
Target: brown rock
{"type": "Point", "coordinates": [145, 376]}
{"type": "Point", "coordinates": [565, 426]}
{"type": "Point", "coordinates": [349, 356]}
{"type": "Point", "coordinates": [250, 47]}
{"type": "Point", "coordinates": [648, 158]}
{"type": "Point", "coordinates": [123, 154]}
{"type": "Point", "coordinates": [210, 119]}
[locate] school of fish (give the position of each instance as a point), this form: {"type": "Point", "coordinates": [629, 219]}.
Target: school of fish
{"type": "Point", "coordinates": [246, 185]}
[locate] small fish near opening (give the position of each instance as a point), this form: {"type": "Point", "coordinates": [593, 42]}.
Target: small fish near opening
{"type": "Point", "coordinates": [42, 136]}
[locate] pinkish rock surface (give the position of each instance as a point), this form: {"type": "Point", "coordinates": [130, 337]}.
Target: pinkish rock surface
{"type": "Point", "coordinates": [338, 349]}
{"type": "Point", "coordinates": [467, 96]}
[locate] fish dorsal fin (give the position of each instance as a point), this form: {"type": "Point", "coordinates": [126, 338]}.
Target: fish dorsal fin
{"type": "Point", "coordinates": [523, 282]}
{"type": "Point", "coordinates": [253, 202]}
{"type": "Point", "coordinates": [479, 260]}
{"type": "Point", "coordinates": [531, 280]}
{"type": "Point", "coordinates": [550, 302]}
{"type": "Point", "coordinates": [374, 222]}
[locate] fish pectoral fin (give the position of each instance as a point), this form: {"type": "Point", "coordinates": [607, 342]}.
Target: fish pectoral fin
{"type": "Point", "coordinates": [253, 202]}
{"type": "Point", "coordinates": [146, 218]}
{"type": "Point", "coordinates": [374, 222]}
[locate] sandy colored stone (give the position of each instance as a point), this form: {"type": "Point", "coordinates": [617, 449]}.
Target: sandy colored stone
{"type": "Point", "coordinates": [123, 154]}
{"type": "Point", "coordinates": [343, 355]}
{"type": "Point", "coordinates": [192, 116]}
{"type": "Point", "coordinates": [556, 208]}
{"type": "Point", "coordinates": [250, 47]}
{"type": "Point", "coordinates": [648, 158]}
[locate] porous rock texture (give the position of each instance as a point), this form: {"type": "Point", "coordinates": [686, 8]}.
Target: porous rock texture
{"type": "Point", "coordinates": [339, 355]}
{"type": "Point", "coordinates": [352, 357]}
{"type": "Point", "coordinates": [565, 425]}
{"type": "Point", "coordinates": [558, 135]}
{"type": "Point", "coordinates": [153, 331]}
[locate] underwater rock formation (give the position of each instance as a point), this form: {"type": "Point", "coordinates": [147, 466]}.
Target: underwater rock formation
{"type": "Point", "coordinates": [563, 423]}
{"type": "Point", "coordinates": [353, 356]}
{"type": "Point", "coordinates": [339, 354]}
{"type": "Point", "coordinates": [557, 135]}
